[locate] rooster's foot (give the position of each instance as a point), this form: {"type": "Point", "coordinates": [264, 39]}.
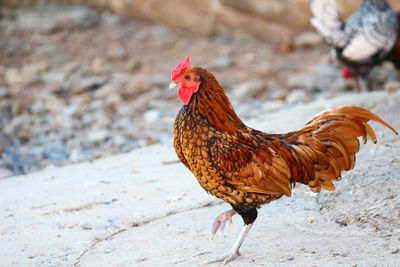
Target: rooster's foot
{"type": "Point", "coordinates": [234, 252]}
{"type": "Point", "coordinates": [224, 258]}
{"type": "Point", "coordinates": [220, 222]}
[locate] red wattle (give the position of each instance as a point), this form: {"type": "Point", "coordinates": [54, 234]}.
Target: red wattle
{"type": "Point", "coordinates": [346, 72]}
{"type": "Point", "coordinates": [185, 95]}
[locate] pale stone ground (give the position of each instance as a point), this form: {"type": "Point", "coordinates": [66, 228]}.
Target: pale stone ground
{"type": "Point", "coordinates": [145, 209]}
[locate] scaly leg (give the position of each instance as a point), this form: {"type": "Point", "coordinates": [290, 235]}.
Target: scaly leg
{"type": "Point", "coordinates": [220, 221]}
{"type": "Point", "coordinates": [234, 252]}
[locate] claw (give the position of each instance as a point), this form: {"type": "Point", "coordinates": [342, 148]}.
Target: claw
{"type": "Point", "coordinates": [220, 222]}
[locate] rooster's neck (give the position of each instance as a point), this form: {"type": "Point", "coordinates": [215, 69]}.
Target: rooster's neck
{"type": "Point", "coordinates": [211, 103]}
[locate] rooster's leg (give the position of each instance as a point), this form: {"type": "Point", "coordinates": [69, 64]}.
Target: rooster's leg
{"type": "Point", "coordinates": [362, 84]}
{"type": "Point", "coordinates": [234, 252]}
{"type": "Point", "coordinates": [220, 221]}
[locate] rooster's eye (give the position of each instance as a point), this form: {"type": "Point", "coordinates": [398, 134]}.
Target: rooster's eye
{"type": "Point", "coordinates": [187, 77]}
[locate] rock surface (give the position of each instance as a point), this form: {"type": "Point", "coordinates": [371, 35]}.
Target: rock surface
{"type": "Point", "coordinates": [146, 209]}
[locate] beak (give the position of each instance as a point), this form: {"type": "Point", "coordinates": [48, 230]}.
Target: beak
{"type": "Point", "coordinates": [173, 84]}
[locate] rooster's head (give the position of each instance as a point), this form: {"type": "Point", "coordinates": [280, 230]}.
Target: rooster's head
{"type": "Point", "coordinates": [188, 81]}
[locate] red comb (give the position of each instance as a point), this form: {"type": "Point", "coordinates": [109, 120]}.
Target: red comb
{"type": "Point", "coordinates": [177, 71]}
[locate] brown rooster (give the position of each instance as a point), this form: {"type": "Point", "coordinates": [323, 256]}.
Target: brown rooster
{"type": "Point", "coordinates": [246, 167]}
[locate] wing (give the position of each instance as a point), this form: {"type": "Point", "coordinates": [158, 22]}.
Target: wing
{"type": "Point", "coordinates": [255, 162]}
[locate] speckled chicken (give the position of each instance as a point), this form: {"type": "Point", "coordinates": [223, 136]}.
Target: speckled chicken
{"type": "Point", "coordinates": [394, 54]}
{"type": "Point", "coordinates": [248, 168]}
{"type": "Point", "coordinates": [363, 41]}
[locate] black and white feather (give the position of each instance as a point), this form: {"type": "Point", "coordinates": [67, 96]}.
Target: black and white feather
{"type": "Point", "coordinates": [364, 39]}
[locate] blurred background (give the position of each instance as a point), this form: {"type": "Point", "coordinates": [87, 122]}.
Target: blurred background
{"type": "Point", "coordinates": [80, 80]}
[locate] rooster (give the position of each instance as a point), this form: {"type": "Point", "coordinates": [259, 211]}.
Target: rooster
{"type": "Point", "coordinates": [248, 168]}
{"type": "Point", "coordinates": [363, 41]}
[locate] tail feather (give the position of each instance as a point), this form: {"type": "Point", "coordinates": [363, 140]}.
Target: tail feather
{"type": "Point", "coordinates": [370, 132]}
{"type": "Point", "coordinates": [330, 142]}
{"type": "Point", "coordinates": [356, 114]}
{"type": "Point", "coordinates": [352, 145]}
